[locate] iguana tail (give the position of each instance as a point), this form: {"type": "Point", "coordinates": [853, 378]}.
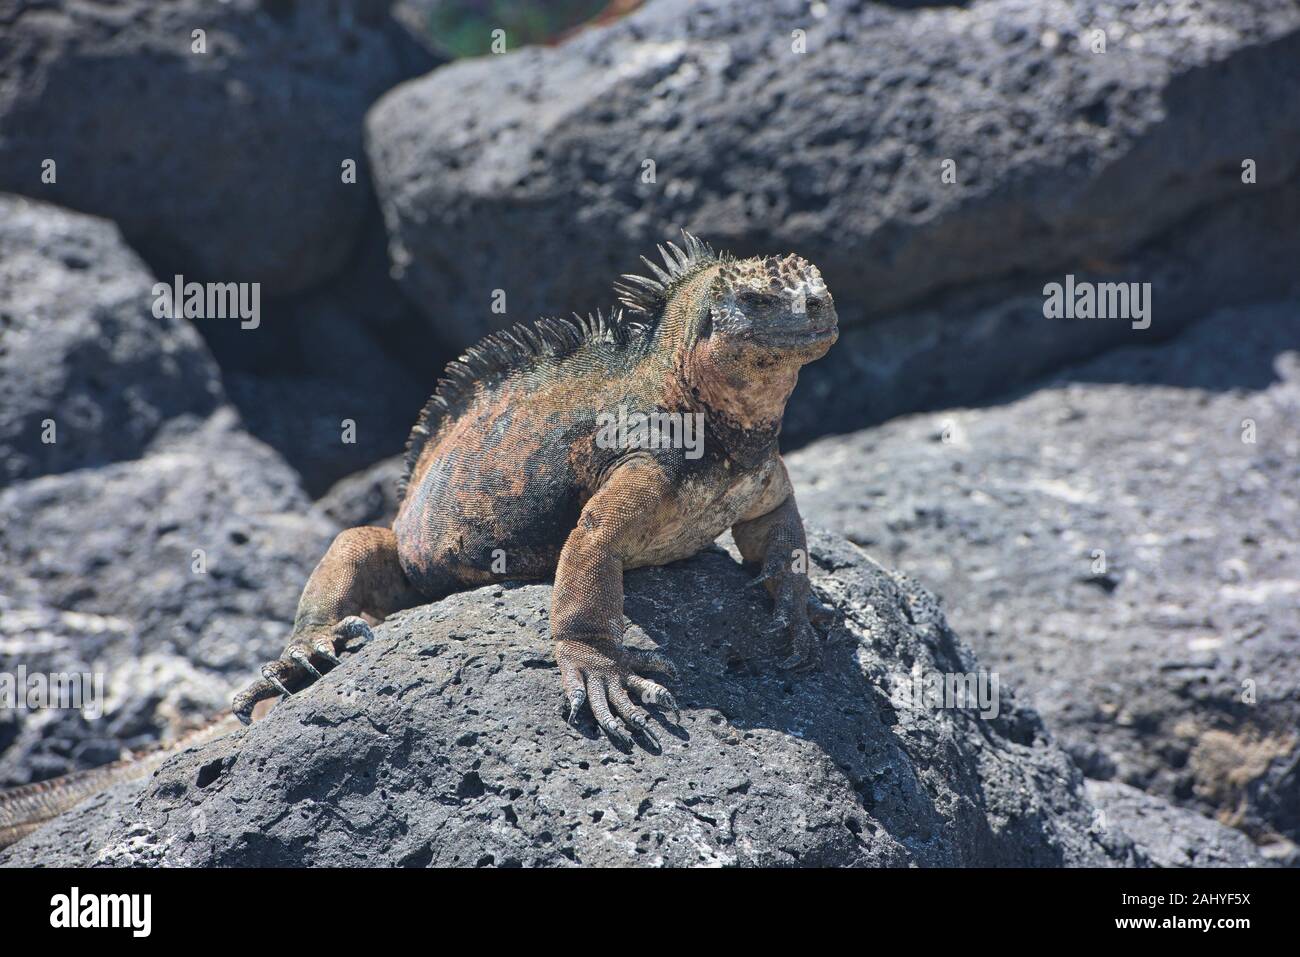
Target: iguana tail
{"type": "Point", "coordinates": [25, 808]}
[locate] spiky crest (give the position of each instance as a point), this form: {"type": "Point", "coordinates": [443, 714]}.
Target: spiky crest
{"type": "Point", "coordinates": [496, 355]}
{"type": "Point", "coordinates": [500, 353]}
{"type": "Point", "coordinates": [647, 295]}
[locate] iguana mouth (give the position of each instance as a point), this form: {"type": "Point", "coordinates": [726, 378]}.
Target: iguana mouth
{"type": "Point", "coordinates": [796, 337]}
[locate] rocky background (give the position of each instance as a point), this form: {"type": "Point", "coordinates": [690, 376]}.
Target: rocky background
{"type": "Point", "coordinates": [1107, 514]}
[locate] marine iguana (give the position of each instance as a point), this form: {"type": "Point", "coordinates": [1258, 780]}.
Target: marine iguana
{"type": "Point", "coordinates": [511, 475]}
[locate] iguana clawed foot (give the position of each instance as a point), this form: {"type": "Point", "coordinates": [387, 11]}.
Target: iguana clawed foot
{"type": "Point", "coordinates": [800, 614]}
{"type": "Point", "coordinates": [600, 674]}
{"type": "Point", "coordinates": [308, 651]}
{"type": "Point", "coordinates": [801, 620]}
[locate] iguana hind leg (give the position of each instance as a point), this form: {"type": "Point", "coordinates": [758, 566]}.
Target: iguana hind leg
{"type": "Point", "coordinates": [359, 581]}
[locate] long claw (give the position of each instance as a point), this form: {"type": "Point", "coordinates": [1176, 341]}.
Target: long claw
{"type": "Point", "coordinates": [247, 700]}
{"type": "Point", "coordinates": [616, 733]}
{"type": "Point", "coordinates": [820, 613]}
{"type": "Point", "coordinates": [667, 701]}
{"type": "Point", "coordinates": [643, 726]}
{"type": "Point", "coordinates": [598, 698]}
{"type": "Point", "coordinates": [304, 659]}
{"type": "Point", "coordinates": [323, 649]}
{"type": "Point", "coordinates": [635, 717]}
{"type": "Point", "coordinates": [655, 694]}
{"type": "Point", "coordinates": [600, 676]}
{"type": "Point", "coordinates": [276, 682]}
{"type": "Point", "coordinates": [243, 704]}
{"type": "Point", "coordinates": [575, 706]}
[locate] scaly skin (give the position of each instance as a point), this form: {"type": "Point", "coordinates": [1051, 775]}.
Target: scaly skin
{"type": "Point", "coordinates": [510, 476]}
{"type": "Point", "coordinates": [25, 808]}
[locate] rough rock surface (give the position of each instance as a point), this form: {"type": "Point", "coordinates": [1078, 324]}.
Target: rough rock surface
{"type": "Point", "coordinates": [351, 349]}
{"type": "Point", "coordinates": [441, 743]}
{"type": "Point", "coordinates": [1174, 667]}
{"type": "Point", "coordinates": [1169, 835]}
{"type": "Point", "coordinates": [365, 498]}
{"type": "Point", "coordinates": [974, 344]}
{"type": "Point", "coordinates": [1065, 157]}
{"type": "Point", "coordinates": [98, 574]}
{"type": "Point", "coordinates": [225, 165]}
{"type": "Point", "coordinates": [79, 345]}
{"type": "Point", "coordinates": [331, 428]}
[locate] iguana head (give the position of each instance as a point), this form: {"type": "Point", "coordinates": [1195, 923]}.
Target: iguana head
{"type": "Point", "coordinates": [738, 329]}
{"type": "Point", "coordinates": [774, 306]}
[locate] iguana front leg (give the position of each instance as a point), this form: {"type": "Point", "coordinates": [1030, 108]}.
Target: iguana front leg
{"type": "Point", "coordinates": [771, 536]}
{"type": "Point", "coordinates": [587, 603]}
{"type": "Point", "coordinates": [358, 581]}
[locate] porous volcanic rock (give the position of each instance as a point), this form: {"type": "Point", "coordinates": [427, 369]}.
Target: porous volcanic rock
{"type": "Point", "coordinates": [1113, 544]}
{"type": "Point", "coordinates": [441, 743]}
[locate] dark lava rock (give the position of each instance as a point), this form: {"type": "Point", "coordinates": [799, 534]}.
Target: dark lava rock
{"type": "Point", "coordinates": [977, 342]}
{"type": "Point", "coordinates": [1171, 836]}
{"type": "Point", "coordinates": [100, 573]}
{"type": "Point", "coordinates": [441, 743]}
{"type": "Point", "coordinates": [528, 172]}
{"type": "Point", "coordinates": [1168, 663]}
{"type": "Point", "coordinates": [224, 165]}
{"type": "Point", "coordinates": [327, 429]}
{"type": "Point", "coordinates": [368, 497]}
{"type": "Point", "coordinates": [81, 348]}
{"type": "Point", "coordinates": [351, 350]}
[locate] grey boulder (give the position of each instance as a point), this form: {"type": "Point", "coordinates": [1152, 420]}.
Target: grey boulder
{"type": "Point", "coordinates": [973, 344]}
{"type": "Point", "coordinates": [1169, 835]}
{"type": "Point", "coordinates": [226, 164]}
{"type": "Point", "coordinates": [1122, 544]}
{"type": "Point", "coordinates": [530, 172]}
{"type": "Point", "coordinates": [83, 360]}
{"type": "Point", "coordinates": [172, 576]}
{"type": "Point", "coordinates": [442, 743]}
{"type": "Point", "coordinates": [332, 379]}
